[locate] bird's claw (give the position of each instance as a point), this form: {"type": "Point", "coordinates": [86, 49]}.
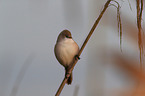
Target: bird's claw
{"type": "Point", "coordinates": [67, 75]}
{"type": "Point", "coordinates": [77, 57]}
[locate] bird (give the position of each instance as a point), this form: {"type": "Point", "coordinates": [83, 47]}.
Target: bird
{"type": "Point", "coordinates": [66, 49]}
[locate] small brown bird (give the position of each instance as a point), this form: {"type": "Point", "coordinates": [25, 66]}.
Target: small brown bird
{"type": "Point", "coordinates": [65, 50]}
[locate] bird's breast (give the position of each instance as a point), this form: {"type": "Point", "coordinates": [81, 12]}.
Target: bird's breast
{"type": "Point", "coordinates": [65, 51]}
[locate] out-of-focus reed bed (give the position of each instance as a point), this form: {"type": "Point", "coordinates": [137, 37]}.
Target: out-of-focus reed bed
{"type": "Point", "coordinates": [130, 68]}
{"type": "Point", "coordinates": [130, 65]}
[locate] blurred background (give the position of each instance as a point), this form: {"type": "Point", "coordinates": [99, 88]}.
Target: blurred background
{"type": "Point", "coordinates": [28, 33]}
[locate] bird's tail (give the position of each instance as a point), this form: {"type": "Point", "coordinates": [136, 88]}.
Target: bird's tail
{"type": "Point", "coordinates": [69, 79]}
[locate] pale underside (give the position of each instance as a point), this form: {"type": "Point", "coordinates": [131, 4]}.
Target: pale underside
{"type": "Point", "coordinates": [65, 51]}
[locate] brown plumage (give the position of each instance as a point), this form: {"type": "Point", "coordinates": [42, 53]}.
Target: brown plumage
{"type": "Point", "coordinates": [65, 50]}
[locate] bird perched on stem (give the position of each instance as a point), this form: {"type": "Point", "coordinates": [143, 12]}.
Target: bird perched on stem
{"type": "Point", "coordinates": [66, 50]}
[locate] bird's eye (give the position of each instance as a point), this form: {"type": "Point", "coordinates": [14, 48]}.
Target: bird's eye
{"type": "Point", "coordinates": [67, 37]}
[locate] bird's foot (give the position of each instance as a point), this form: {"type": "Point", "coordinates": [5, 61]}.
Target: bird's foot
{"type": "Point", "coordinates": [67, 74]}
{"type": "Point", "coordinates": [77, 57]}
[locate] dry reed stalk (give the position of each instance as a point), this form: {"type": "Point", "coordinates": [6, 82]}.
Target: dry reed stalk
{"type": "Point", "coordinates": [76, 91]}
{"type": "Point", "coordinates": [139, 7]}
{"type": "Point", "coordinates": [83, 46]}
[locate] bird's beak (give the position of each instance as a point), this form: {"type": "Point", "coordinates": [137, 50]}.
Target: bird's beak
{"type": "Point", "coordinates": [70, 37]}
